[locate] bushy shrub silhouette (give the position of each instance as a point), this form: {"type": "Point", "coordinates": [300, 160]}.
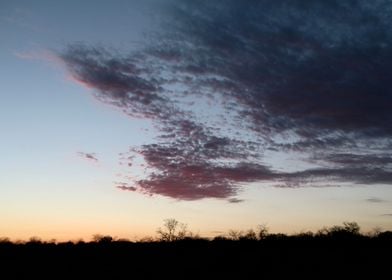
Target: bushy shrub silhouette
{"type": "Point", "coordinates": [102, 239]}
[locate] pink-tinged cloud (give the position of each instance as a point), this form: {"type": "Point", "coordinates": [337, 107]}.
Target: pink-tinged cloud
{"type": "Point", "coordinates": [43, 55]}
{"type": "Point", "coordinates": [187, 181]}
{"type": "Point", "coordinates": [79, 82]}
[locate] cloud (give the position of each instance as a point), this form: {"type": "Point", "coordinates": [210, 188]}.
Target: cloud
{"type": "Point", "coordinates": [196, 179]}
{"type": "Point", "coordinates": [356, 159]}
{"type": "Point", "coordinates": [44, 55]}
{"type": "Point", "coordinates": [88, 156]}
{"type": "Point", "coordinates": [345, 174]}
{"type": "Point", "coordinates": [235, 200]}
{"type": "Point", "coordinates": [125, 187]}
{"type": "Point", "coordinates": [375, 200]}
{"type": "Point", "coordinates": [225, 82]}
{"type": "Point", "coordinates": [387, 215]}
{"type": "Point", "coordinates": [308, 67]}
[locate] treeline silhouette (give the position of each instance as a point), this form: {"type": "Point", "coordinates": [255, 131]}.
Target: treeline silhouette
{"type": "Point", "coordinates": [177, 253]}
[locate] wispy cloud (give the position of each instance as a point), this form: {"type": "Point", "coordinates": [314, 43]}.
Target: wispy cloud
{"type": "Point", "coordinates": [295, 77]}
{"type": "Point", "coordinates": [125, 187]}
{"type": "Point", "coordinates": [88, 156]}
{"type": "Point", "coordinates": [375, 200]}
{"type": "Point", "coordinates": [41, 54]}
{"type": "Point", "coordinates": [235, 200]}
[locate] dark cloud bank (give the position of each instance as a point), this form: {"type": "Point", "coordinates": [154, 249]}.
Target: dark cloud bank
{"type": "Point", "coordinates": [311, 78]}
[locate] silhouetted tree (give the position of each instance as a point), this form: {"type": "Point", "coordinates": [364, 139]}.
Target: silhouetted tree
{"type": "Point", "coordinates": [348, 230]}
{"type": "Point", "coordinates": [146, 239]}
{"type": "Point", "coordinates": [234, 234]}
{"type": "Point", "coordinates": [322, 232]}
{"type": "Point", "coordinates": [351, 227]}
{"type": "Point", "coordinates": [35, 240]}
{"type": "Point", "coordinates": [248, 236]}
{"type": "Point", "coordinates": [375, 232]}
{"type": "Point", "coordinates": [308, 235]}
{"type": "Point", "coordinates": [262, 231]}
{"type": "Point", "coordinates": [5, 240]}
{"type": "Point", "coordinates": [219, 238]}
{"type": "Point", "coordinates": [385, 235]}
{"type": "Point", "coordinates": [172, 230]}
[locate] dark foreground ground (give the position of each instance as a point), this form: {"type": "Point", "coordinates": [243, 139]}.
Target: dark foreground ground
{"type": "Point", "coordinates": [273, 258]}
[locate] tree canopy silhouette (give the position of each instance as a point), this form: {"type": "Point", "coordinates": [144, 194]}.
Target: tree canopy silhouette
{"type": "Point", "coordinates": [172, 230]}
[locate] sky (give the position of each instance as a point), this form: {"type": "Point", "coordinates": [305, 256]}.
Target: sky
{"type": "Point", "coordinates": [116, 115]}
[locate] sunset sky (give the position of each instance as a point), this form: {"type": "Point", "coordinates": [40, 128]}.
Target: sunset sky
{"type": "Point", "coordinates": [116, 115]}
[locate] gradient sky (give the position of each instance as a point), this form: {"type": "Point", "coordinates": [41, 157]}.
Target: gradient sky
{"type": "Point", "coordinates": [116, 115]}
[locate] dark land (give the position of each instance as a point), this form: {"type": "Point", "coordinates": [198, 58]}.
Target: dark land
{"type": "Point", "coordinates": [333, 254]}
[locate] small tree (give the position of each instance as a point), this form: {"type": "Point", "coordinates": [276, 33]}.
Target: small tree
{"type": "Point", "coordinates": [249, 235]}
{"type": "Point", "coordinates": [5, 240]}
{"type": "Point", "coordinates": [348, 230]}
{"type": "Point", "coordinates": [375, 232]}
{"type": "Point", "coordinates": [35, 240]}
{"type": "Point", "coordinates": [351, 227]}
{"type": "Point", "coordinates": [262, 231]}
{"type": "Point", "coordinates": [172, 230]}
{"type": "Point", "coordinates": [234, 234]}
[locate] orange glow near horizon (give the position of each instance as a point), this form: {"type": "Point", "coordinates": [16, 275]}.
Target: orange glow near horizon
{"type": "Point", "coordinates": [110, 213]}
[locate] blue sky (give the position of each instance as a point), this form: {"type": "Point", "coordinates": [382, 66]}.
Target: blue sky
{"type": "Point", "coordinates": [118, 114]}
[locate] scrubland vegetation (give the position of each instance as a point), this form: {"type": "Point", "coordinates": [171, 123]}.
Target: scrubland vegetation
{"type": "Point", "coordinates": [177, 253]}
